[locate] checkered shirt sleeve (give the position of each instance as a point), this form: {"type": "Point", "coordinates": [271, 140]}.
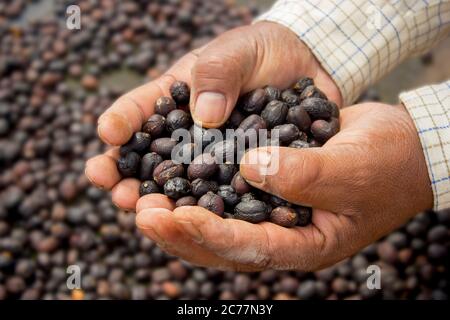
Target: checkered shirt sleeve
{"type": "Point", "coordinates": [430, 109]}
{"type": "Point", "coordinates": [358, 42]}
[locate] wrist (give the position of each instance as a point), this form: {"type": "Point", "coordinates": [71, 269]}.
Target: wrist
{"type": "Point", "coordinates": [424, 195]}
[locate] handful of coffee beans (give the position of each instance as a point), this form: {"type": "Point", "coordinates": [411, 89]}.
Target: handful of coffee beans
{"type": "Point", "coordinates": [208, 176]}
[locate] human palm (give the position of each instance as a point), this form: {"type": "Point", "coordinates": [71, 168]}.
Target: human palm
{"type": "Point", "coordinates": [359, 182]}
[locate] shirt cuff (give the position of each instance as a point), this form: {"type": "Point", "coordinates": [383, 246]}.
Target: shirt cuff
{"type": "Point", "coordinates": [429, 107]}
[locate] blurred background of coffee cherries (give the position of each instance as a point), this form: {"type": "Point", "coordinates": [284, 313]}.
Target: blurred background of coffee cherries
{"type": "Point", "coordinates": [55, 82]}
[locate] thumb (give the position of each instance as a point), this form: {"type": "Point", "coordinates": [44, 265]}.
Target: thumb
{"type": "Point", "coordinates": [244, 59]}
{"type": "Point", "coordinates": [218, 75]}
{"type": "Point", "coordinates": [314, 177]}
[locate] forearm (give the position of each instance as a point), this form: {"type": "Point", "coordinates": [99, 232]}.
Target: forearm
{"type": "Point", "coordinates": [358, 44]}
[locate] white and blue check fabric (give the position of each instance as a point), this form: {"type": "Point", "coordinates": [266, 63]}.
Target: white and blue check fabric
{"type": "Point", "coordinates": [358, 42]}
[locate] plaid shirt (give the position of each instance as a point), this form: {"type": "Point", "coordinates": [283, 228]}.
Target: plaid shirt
{"type": "Point", "coordinates": [359, 42]}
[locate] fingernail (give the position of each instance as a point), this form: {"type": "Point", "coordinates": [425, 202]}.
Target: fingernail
{"type": "Point", "coordinates": [191, 230]}
{"type": "Point", "coordinates": [113, 128]}
{"type": "Point", "coordinates": [210, 107]}
{"type": "Point", "coordinates": [256, 165]}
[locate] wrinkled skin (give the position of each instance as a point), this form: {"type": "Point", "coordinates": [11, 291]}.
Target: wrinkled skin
{"type": "Point", "coordinates": [365, 182]}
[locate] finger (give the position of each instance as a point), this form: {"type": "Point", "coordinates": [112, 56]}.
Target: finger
{"type": "Point", "coordinates": [102, 170]}
{"type": "Point", "coordinates": [260, 246]}
{"type": "Point", "coordinates": [241, 60]}
{"type": "Point", "coordinates": [303, 176]}
{"type": "Point", "coordinates": [126, 115]}
{"type": "Point", "coordinates": [160, 226]}
{"type": "Point", "coordinates": [154, 200]}
{"type": "Point", "coordinates": [125, 194]}
{"type": "Point", "coordinates": [218, 75]}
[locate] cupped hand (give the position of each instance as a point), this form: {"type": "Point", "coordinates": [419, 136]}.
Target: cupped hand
{"type": "Point", "coordinates": [364, 182]}
{"type": "Point", "coordinates": [236, 62]}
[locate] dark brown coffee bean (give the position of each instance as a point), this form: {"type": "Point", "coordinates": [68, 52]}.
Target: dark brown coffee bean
{"type": "Point", "coordinates": [272, 93]}
{"type": "Point", "coordinates": [235, 119]}
{"type": "Point", "coordinates": [398, 240]}
{"type": "Point", "coordinates": [253, 122]}
{"type": "Point", "coordinates": [15, 284]}
{"type": "Point", "coordinates": [148, 164]}
{"type": "Point", "coordinates": [25, 268]}
{"type": "Point", "coordinates": [335, 110]}
{"type": "Point", "coordinates": [287, 133]}
{"type": "Point", "coordinates": [275, 113]}
{"type": "Point", "coordinates": [203, 166]}
{"type": "Point", "coordinates": [180, 92]}
{"type": "Point", "coordinates": [148, 187]}
{"type": "Point", "coordinates": [164, 105]}
{"type": "Point", "coordinates": [304, 215]}
{"type": "Point", "coordinates": [248, 196]}
{"type": "Point", "coordinates": [253, 101]}
{"type": "Point", "coordinates": [201, 187]}
{"type": "Point", "coordinates": [277, 201]}
{"type": "Point", "coordinates": [251, 126]}
{"type": "Point", "coordinates": [167, 170]}
{"type": "Point", "coordinates": [297, 115]}
{"type": "Point", "coordinates": [299, 144]}
{"type": "Point", "coordinates": [290, 97]}
{"type": "Point", "coordinates": [307, 290]}
{"type": "Point", "coordinates": [128, 165]}
{"type": "Point", "coordinates": [323, 130]}
{"type": "Point", "coordinates": [437, 252]}
{"type": "Point", "coordinates": [284, 216]}
{"type": "Point", "coordinates": [139, 142]}
{"type": "Point", "coordinates": [163, 146]}
{"type": "Point", "coordinates": [4, 127]}
{"type": "Point", "coordinates": [239, 184]}
{"type": "Point", "coordinates": [213, 203]}
{"type": "Point", "coordinates": [225, 173]}
{"type": "Point", "coordinates": [229, 195]}
{"type": "Point", "coordinates": [438, 233]}
{"type": "Point", "coordinates": [317, 108]}
{"type": "Point", "coordinates": [185, 152]}
{"type": "Point", "coordinates": [155, 125]}
{"type": "Point", "coordinates": [224, 151]}
{"type": "Point", "coordinates": [253, 211]}
{"type": "Point", "coordinates": [302, 83]}
{"type": "Point", "coordinates": [186, 201]}
{"type": "Point", "coordinates": [312, 92]}
{"type": "Point", "coordinates": [177, 187]}
{"type": "Point", "coordinates": [177, 119]}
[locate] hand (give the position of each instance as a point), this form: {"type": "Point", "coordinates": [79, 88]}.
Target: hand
{"type": "Point", "coordinates": [364, 182]}
{"type": "Point", "coordinates": [236, 62]}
